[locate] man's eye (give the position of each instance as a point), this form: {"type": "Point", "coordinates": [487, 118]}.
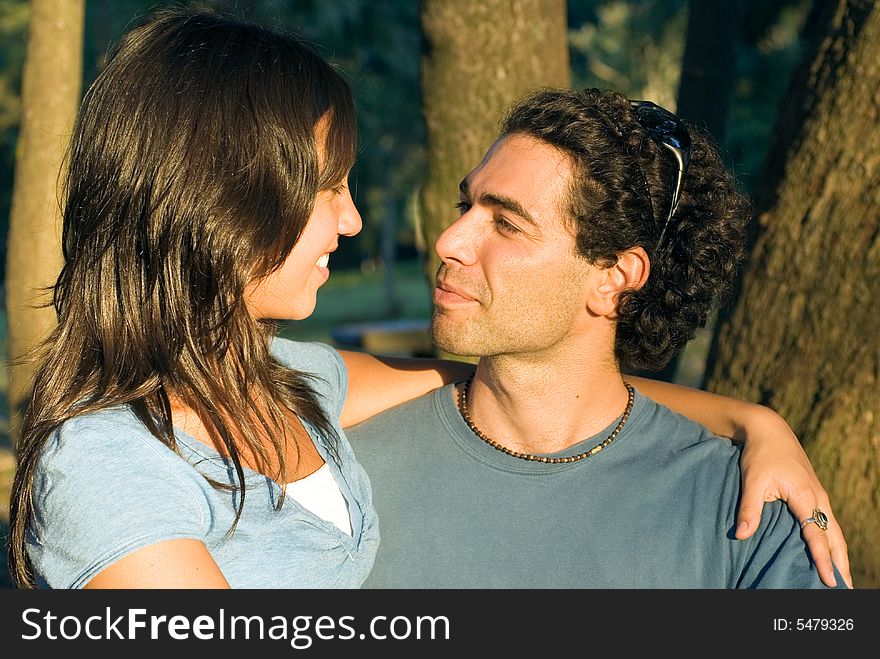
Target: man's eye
{"type": "Point", "coordinates": [462, 207]}
{"type": "Point", "coordinates": [506, 227]}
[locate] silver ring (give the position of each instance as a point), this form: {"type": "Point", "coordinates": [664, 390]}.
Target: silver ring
{"type": "Point", "coordinates": [819, 518]}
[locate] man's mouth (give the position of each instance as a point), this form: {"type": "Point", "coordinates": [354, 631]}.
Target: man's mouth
{"type": "Point", "coordinates": [446, 294]}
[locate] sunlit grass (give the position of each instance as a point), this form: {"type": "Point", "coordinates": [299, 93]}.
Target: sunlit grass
{"type": "Point", "coordinates": [354, 296]}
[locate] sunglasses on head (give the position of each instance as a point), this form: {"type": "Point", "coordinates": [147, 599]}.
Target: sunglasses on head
{"type": "Point", "coordinates": [669, 132]}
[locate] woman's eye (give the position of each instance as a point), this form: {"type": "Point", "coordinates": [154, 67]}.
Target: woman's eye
{"type": "Point", "coordinates": [339, 188]}
{"type": "Point", "coordinates": [462, 207]}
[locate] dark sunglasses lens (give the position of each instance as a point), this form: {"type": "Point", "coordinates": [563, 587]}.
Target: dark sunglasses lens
{"type": "Point", "coordinates": [661, 123]}
{"type": "Point", "coordinates": [669, 131]}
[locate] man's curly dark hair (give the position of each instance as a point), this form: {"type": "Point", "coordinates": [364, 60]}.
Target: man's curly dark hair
{"type": "Point", "coordinates": [620, 197]}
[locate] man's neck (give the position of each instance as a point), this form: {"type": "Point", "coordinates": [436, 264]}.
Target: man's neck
{"type": "Point", "coordinates": [544, 406]}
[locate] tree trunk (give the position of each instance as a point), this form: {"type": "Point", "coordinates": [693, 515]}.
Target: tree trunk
{"type": "Point", "coordinates": [51, 84]}
{"type": "Point", "coordinates": [802, 336]}
{"type": "Point", "coordinates": [478, 58]}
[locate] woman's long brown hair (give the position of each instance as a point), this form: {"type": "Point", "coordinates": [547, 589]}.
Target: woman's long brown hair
{"type": "Point", "coordinates": [193, 170]}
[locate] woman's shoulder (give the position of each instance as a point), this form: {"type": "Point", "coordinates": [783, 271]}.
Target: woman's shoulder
{"type": "Point", "coordinates": [108, 458]}
{"type": "Point", "coordinates": [104, 486]}
{"type": "Point", "coordinates": [306, 356]}
{"type": "Point", "coordinates": [107, 442]}
{"type": "Point", "coordinates": [321, 362]}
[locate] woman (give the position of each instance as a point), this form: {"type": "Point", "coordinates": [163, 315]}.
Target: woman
{"type": "Point", "coordinates": [168, 429]}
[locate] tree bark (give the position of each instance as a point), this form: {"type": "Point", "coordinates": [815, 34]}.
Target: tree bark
{"type": "Point", "coordinates": [51, 84]}
{"type": "Point", "coordinates": [802, 336]}
{"type": "Point", "coordinates": [478, 58]}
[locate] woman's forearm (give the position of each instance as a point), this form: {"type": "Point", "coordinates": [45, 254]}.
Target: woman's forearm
{"type": "Point", "coordinates": [377, 383]}
{"type": "Point", "coordinates": [723, 415]}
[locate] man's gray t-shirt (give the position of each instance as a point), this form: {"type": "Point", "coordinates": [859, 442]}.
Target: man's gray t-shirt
{"type": "Point", "coordinates": [656, 508]}
{"type": "Point", "coordinates": [104, 487]}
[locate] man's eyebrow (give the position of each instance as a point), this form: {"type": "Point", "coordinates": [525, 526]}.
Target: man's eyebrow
{"type": "Point", "coordinates": [501, 201]}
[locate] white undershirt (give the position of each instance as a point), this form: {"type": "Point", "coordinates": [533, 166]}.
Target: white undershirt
{"type": "Point", "coordinates": [319, 493]}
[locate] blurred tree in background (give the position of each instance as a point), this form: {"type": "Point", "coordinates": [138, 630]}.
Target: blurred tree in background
{"type": "Point", "coordinates": [49, 100]}
{"type": "Point", "coordinates": [478, 58]}
{"type": "Point", "coordinates": [632, 47]}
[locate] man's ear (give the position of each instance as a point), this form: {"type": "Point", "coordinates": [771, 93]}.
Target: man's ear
{"type": "Point", "coordinates": [629, 273]}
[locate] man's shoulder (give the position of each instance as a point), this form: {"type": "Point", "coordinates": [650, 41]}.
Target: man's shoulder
{"type": "Point", "coordinates": [684, 455]}
{"type": "Point", "coordinates": [672, 432]}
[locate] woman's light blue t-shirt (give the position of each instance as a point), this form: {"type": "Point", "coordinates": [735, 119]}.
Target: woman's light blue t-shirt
{"type": "Point", "coordinates": [104, 487]}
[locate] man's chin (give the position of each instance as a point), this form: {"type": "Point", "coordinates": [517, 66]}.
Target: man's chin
{"type": "Point", "coordinates": [454, 342]}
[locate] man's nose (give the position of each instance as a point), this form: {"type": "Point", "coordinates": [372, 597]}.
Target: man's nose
{"type": "Point", "coordinates": [459, 241]}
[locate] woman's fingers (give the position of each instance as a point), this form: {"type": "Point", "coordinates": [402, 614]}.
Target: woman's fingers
{"type": "Point", "coordinates": [827, 548]}
{"type": "Point", "coordinates": [749, 516]}
{"type": "Point", "coordinates": [839, 550]}
{"type": "Point", "coordinates": [825, 545]}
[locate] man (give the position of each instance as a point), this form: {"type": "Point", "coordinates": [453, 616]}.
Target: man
{"type": "Point", "coordinates": [594, 236]}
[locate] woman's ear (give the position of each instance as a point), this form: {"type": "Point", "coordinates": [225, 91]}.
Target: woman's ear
{"type": "Point", "coordinates": [629, 273]}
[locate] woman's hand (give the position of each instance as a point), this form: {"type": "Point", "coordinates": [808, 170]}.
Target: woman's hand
{"type": "Point", "coordinates": [774, 466]}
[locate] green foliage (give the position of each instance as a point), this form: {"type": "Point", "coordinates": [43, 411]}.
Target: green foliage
{"type": "Point", "coordinates": [632, 46]}
{"type": "Point", "coordinates": [13, 27]}
{"type": "Point", "coordinates": [14, 16]}
{"type": "Point", "coordinates": [636, 46]}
